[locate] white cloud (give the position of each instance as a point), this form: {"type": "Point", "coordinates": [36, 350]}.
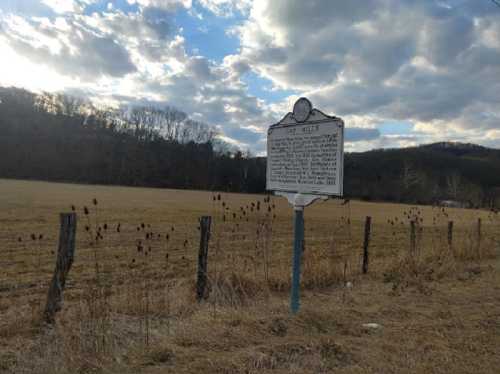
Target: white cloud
{"type": "Point", "coordinates": [16, 70]}
{"type": "Point", "coordinates": [73, 47]}
{"type": "Point", "coordinates": [67, 6]}
{"type": "Point", "coordinates": [416, 62]}
{"type": "Point", "coordinates": [433, 66]}
{"type": "Point", "coordinates": [163, 4]}
{"type": "Point", "coordinates": [61, 6]}
{"type": "Point", "coordinates": [136, 57]}
{"type": "Point", "coordinates": [226, 8]}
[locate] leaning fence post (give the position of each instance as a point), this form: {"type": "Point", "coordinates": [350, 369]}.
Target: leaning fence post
{"type": "Point", "coordinates": [412, 238]}
{"type": "Point", "coordinates": [366, 243]}
{"type": "Point", "coordinates": [450, 234]}
{"type": "Point", "coordinates": [203, 257]}
{"type": "Point", "coordinates": [65, 256]}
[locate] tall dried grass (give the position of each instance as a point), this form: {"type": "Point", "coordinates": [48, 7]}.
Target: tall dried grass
{"type": "Point", "coordinates": [140, 298]}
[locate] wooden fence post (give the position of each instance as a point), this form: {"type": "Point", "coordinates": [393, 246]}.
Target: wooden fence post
{"type": "Point", "coordinates": [366, 243]}
{"type": "Point", "coordinates": [479, 238]}
{"type": "Point", "coordinates": [65, 256]}
{"type": "Point", "coordinates": [450, 234]}
{"type": "Point", "coordinates": [413, 240]}
{"type": "Point", "coordinates": [201, 282]}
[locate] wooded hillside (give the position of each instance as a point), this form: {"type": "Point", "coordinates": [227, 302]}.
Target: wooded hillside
{"type": "Point", "coordinates": [59, 138]}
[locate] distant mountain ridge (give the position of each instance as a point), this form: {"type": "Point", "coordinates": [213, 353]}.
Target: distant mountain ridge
{"type": "Point", "coordinates": [456, 145]}
{"type": "Point", "coordinates": [459, 148]}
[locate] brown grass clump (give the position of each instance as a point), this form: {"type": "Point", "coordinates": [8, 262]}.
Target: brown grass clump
{"type": "Point", "coordinates": [321, 271]}
{"type": "Point", "coordinates": [233, 290]}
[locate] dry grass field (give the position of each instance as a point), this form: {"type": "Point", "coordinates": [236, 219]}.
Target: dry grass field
{"type": "Point", "coordinates": [129, 304]}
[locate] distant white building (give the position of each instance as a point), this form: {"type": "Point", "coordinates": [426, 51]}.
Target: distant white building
{"type": "Point", "coordinates": [452, 204]}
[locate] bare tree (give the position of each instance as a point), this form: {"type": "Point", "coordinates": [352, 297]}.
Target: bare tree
{"type": "Point", "coordinates": [69, 105]}
{"type": "Point", "coordinates": [172, 123]}
{"type": "Point", "coordinates": [168, 123]}
{"type": "Point", "coordinates": [453, 184]}
{"type": "Point", "coordinates": [197, 132]}
{"type": "Point", "coordinates": [409, 176]}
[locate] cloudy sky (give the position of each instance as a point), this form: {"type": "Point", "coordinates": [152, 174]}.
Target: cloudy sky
{"type": "Point", "coordinates": [398, 72]}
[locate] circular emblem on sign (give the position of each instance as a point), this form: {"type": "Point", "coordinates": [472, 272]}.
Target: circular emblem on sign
{"type": "Point", "coordinates": [302, 109]}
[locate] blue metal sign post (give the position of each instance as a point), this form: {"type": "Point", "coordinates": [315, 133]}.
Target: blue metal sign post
{"type": "Point", "coordinates": [298, 246]}
{"type": "Point", "coordinates": [299, 202]}
{"type": "Point", "coordinates": [305, 162]}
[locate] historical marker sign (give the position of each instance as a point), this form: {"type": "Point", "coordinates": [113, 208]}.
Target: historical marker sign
{"type": "Point", "coordinates": [305, 152]}
{"type": "Point", "coordinates": [305, 162]}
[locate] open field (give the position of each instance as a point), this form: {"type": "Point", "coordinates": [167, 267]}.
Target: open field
{"type": "Point", "coordinates": [130, 306]}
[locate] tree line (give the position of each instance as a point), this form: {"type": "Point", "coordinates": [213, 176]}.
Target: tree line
{"type": "Point", "coordinates": [465, 174]}
{"type": "Point", "coordinates": [62, 138]}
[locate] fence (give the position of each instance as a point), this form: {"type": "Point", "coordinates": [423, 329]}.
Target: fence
{"type": "Point", "coordinates": [140, 270]}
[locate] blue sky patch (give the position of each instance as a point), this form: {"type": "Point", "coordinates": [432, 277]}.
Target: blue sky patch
{"type": "Point", "coordinates": [102, 5]}
{"type": "Point", "coordinates": [26, 8]}
{"type": "Point", "coordinates": [395, 128]}
{"type": "Point", "coordinates": [262, 88]}
{"type": "Point", "coordinates": [208, 37]}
